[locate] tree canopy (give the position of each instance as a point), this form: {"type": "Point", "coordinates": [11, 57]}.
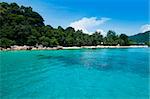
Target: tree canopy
{"type": "Point", "coordinates": [21, 25]}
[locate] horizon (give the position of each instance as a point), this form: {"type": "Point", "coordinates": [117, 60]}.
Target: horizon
{"type": "Point", "coordinates": [128, 17]}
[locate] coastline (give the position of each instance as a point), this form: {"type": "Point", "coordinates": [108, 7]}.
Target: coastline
{"type": "Point", "coordinates": [17, 48]}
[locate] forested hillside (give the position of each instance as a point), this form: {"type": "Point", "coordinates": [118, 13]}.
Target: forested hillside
{"type": "Point", "coordinates": [141, 37]}
{"type": "Point", "coordinates": [21, 25]}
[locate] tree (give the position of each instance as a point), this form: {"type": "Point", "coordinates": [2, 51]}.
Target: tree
{"type": "Point", "coordinates": [147, 43]}
{"type": "Point", "coordinates": [125, 39]}
{"type": "Point", "coordinates": [60, 28]}
{"type": "Point", "coordinates": [97, 38]}
{"type": "Point", "coordinates": [53, 42]}
{"type": "Point", "coordinates": [4, 42]}
{"type": "Point", "coordinates": [45, 41]}
{"type": "Point", "coordinates": [21, 25]}
{"type": "Point", "coordinates": [32, 40]}
{"type": "Point", "coordinates": [111, 38]}
{"type": "Point", "coordinates": [69, 30]}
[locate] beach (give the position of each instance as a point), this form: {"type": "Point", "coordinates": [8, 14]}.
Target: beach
{"type": "Point", "coordinates": [25, 47]}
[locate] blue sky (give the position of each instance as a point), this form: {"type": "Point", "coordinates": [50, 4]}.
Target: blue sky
{"type": "Point", "coordinates": [123, 16]}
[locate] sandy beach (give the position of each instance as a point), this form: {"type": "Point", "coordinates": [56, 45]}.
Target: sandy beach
{"type": "Point", "coordinates": [15, 47]}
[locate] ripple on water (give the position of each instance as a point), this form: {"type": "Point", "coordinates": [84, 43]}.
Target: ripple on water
{"type": "Point", "coordinates": [101, 73]}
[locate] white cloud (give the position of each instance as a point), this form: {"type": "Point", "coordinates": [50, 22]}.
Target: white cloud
{"type": "Point", "coordinates": [145, 28]}
{"type": "Point", "coordinates": [87, 24]}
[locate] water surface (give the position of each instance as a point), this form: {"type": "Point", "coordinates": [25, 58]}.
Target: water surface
{"type": "Point", "coordinates": [75, 74]}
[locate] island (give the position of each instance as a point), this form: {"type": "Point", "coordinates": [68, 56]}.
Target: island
{"type": "Point", "coordinates": [24, 29]}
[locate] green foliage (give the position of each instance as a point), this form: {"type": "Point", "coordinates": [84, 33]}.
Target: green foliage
{"type": "Point", "coordinates": [147, 43]}
{"type": "Point", "coordinates": [111, 39]}
{"type": "Point", "coordinates": [141, 37]}
{"type": "Point", "coordinates": [4, 42]}
{"type": "Point", "coordinates": [45, 41]}
{"type": "Point", "coordinates": [32, 40]}
{"type": "Point", "coordinates": [124, 39]}
{"type": "Point", "coordinates": [53, 42]}
{"type": "Point", "coordinates": [22, 26]}
{"type": "Point", "coordinates": [132, 42]}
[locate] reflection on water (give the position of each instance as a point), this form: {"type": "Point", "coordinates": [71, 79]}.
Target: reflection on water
{"type": "Point", "coordinates": [104, 60]}
{"type": "Point", "coordinates": [75, 74]}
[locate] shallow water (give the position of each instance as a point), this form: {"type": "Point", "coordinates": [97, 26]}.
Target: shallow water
{"type": "Point", "coordinates": [77, 74]}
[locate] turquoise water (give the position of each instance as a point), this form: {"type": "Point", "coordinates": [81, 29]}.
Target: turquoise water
{"type": "Point", "coordinates": [75, 74]}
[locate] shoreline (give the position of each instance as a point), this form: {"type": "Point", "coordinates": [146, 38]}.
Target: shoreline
{"type": "Point", "coordinates": [17, 48]}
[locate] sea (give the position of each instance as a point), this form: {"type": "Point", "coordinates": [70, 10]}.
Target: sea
{"type": "Point", "coordinates": [75, 74]}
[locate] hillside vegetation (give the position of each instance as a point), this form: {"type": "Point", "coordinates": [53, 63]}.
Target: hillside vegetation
{"type": "Point", "coordinates": [20, 25]}
{"type": "Point", "coordinates": [141, 37]}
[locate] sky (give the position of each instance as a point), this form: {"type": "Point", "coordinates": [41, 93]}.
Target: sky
{"type": "Point", "coordinates": [123, 16]}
